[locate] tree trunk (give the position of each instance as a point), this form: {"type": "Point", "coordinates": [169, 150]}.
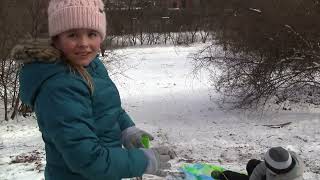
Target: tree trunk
{"type": "Point", "coordinates": [16, 106]}
{"type": "Point", "coordinates": [5, 103]}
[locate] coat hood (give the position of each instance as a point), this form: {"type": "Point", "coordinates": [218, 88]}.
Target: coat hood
{"type": "Point", "coordinates": [40, 61]}
{"type": "Point", "coordinates": [35, 50]}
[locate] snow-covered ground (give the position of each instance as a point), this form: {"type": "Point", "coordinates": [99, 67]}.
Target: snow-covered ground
{"type": "Point", "coordinates": [164, 97]}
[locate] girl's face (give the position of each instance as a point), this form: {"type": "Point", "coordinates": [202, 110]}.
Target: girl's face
{"type": "Point", "coordinates": [80, 46]}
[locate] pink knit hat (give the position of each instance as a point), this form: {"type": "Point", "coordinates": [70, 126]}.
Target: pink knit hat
{"type": "Point", "coordinates": [72, 14]}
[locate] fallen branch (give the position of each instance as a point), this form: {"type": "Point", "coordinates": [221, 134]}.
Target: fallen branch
{"type": "Point", "coordinates": [277, 125]}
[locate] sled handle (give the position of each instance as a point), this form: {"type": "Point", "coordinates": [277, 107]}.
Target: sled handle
{"type": "Point", "coordinates": [145, 141]}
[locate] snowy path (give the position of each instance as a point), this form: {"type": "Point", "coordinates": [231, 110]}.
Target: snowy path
{"type": "Point", "coordinates": [162, 95]}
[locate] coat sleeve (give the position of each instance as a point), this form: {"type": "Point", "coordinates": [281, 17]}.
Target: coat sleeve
{"type": "Point", "coordinates": [65, 107]}
{"type": "Point", "coordinates": [259, 172]}
{"type": "Point", "coordinates": [124, 120]}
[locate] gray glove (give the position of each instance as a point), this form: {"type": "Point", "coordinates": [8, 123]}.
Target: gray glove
{"type": "Point", "coordinates": [158, 160]}
{"type": "Point", "coordinates": [131, 137]}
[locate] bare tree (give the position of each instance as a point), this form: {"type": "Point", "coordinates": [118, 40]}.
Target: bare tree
{"type": "Point", "coordinates": [17, 22]}
{"type": "Point", "coordinates": [10, 34]}
{"type": "Point", "coordinates": [263, 56]}
{"type": "Point", "coordinates": [37, 10]}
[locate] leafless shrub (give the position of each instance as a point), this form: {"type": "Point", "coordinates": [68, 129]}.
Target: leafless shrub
{"type": "Point", "coordinates": [17, 23]}
{"type": "Point", "coordinates": [10, 33]}
{"type": "Point", "coordinates": [264, 56]}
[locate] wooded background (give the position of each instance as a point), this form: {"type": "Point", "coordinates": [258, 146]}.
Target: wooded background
{"type": "Point", "coordinates": [271, 48]}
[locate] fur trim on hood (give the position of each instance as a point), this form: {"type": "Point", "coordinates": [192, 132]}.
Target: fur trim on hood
{"type": "Point", "coordinates": [35, 50]}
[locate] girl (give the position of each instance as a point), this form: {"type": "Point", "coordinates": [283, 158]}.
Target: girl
{"type": "Point", "coordinates": [77, 105]}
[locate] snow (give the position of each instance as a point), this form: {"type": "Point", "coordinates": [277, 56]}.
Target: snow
{"type": "Point", "coordinates": [164, 97]}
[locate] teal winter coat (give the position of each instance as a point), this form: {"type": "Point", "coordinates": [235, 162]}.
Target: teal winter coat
{"type": "Point", "coordinates": [81, 130]}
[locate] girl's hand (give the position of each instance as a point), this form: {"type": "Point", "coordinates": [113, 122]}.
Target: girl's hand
{"type": "Point", "coordinates": [158, 158]}
{"type": "Point", "coordinates": [132, 137]}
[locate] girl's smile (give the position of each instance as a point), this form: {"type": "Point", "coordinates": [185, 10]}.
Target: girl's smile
{"type": "Point", "coordinates": [80, 46]}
